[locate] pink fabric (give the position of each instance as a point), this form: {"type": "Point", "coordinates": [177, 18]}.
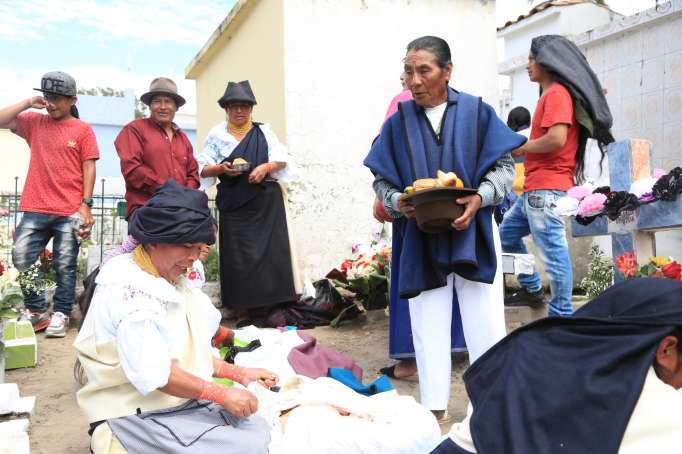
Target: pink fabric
{"type": "Point", "coordinates": [579, 192]}
{"type": "Point", "coordinates": [393, 106]}
{"type": "Point", "coordinates": [314, 360]}
{"type": "Point", "coordinates": [591, 205]}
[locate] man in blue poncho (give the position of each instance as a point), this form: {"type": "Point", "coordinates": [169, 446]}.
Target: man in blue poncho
{"type": "Point", "coordinates": [444, 129]}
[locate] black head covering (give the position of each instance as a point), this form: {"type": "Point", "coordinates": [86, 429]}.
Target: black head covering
{"type": "Point", "coordinates": [174, 215]}
{"type": "Point", "coordinates": [562, 58]}
{"type": "Point", "coordinates": [569, 385]}
{"type": "Point", "coordinates": [237, 92]}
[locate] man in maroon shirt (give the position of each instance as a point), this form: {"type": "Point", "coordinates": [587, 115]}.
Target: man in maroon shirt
{"type": "Point", "coordinates": [153, 150]}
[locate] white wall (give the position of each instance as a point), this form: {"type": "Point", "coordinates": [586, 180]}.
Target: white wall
{"type": "Point", "coordinates": [642, 70]}
{"type": "Point", "coordinates": [639, 61]}
{"type": "Point", "coordinates": [559, 20]}
{"type": "Point", "coordinates": [343, 61]}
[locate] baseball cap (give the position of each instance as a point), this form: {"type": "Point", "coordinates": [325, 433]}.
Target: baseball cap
{"type": "Point", "coordinates": [58, 83]}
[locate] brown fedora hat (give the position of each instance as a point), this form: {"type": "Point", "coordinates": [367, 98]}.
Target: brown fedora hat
{"type": "Point", "coordinates": [162, 86]}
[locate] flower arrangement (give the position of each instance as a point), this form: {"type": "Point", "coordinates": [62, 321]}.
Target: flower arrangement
{"type": "Point", "coordinates": [10, 293]}
{"type": "Point", "coordinates": [33, 279]}
{"type": "Point", "coordinates": [599, 274]}
{"type": "Point", "coordinates": [10, 298]}
{"type": "Point", "coordinates": [367, 274]}
{"type": "Point", "coordinates": [657, 266]}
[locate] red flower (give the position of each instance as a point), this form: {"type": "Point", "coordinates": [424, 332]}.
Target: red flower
{"type": "Point", "coordinates": [192, 275]}
{"type": "Point", "coordinates": [673, 270]}
{"type": "Point", "coordinates": [627, 264]}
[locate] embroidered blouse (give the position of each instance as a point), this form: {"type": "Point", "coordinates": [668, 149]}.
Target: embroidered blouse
{"type": "Point", "coordinates": [219, 144]}
{"type": "Point", "coordinates": [132, 306]}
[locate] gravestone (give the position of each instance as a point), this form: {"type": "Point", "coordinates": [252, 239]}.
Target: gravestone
{"type": "Point", "coordinates": [629, 161]}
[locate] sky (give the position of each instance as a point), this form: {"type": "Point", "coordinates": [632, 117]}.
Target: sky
{"type": "Point", "coordinates": [126, 43]}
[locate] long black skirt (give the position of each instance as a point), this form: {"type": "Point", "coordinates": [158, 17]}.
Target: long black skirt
{"type": "Point", "coordinates": [255, 255]}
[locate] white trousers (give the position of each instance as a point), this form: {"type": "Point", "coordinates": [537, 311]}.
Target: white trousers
{"type": "Point", "coordinates": [481, 307]}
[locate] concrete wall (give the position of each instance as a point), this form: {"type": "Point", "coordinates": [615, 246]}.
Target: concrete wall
{"type": "Point", "coordinates": [642, 69]}
{"type": "Point", "coordinates": [566, 20]}
{"type": "Point", "coordinates": [343, 61]}
{"type": "Point", "coordinates": [250, 48]}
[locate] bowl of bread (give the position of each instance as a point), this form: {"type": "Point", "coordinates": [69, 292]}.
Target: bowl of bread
{"type": "Point", "coordinates": [434, 201]}
{"type": "Point", "coordinates": [241, 165]}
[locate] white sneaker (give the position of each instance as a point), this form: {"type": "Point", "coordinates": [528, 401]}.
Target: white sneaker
{"type": "Point", "coordinates": [58, 325]}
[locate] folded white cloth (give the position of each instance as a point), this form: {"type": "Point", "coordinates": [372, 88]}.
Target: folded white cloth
{"type": "Point", "coordinates": [566, 206]}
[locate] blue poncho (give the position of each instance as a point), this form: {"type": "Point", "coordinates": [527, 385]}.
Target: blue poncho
{"type": "Point", "coordinates": [472, 140]}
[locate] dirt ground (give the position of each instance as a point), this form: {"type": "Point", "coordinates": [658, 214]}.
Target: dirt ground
{"type": "Point", "coordinates": [58, 426]}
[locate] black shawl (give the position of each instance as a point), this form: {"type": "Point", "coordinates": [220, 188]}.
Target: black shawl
{"type": "Point", "coordinates": [569, 385]}
{"type": "Point", "coordinates": [234, 192]}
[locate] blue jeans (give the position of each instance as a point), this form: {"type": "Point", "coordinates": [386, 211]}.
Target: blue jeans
{"type": "Point", "coordinates": [532, 214]}
{"type": "Point", "coordinates": [33, 234]}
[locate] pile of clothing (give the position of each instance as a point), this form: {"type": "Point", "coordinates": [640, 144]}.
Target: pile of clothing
{"type": "Point", "coordinates": [321, 404]}
{"type": "Point", "coordinates": [587, 203]}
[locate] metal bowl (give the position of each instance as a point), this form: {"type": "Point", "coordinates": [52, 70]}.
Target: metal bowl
{"type": "Point", "coordinates": [241, 167]}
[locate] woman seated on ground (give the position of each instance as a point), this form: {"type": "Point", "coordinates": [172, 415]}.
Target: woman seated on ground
{"type": "Point", "coordinates": [605, 381]}
{"type": "Point", "coordinates": [145, 345]}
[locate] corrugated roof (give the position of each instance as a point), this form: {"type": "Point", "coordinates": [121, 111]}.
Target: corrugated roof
{"type": "Point", "coordinates": [543, 6]}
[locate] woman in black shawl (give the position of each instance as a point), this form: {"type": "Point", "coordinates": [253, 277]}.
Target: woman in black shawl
{"type": "Point", "coordinates": [256, 271]}
{"type": "Point", "coordinates": [601, 382]}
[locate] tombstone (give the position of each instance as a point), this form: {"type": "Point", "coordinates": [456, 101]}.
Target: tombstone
{"type": "Point", "coordinates": [629, 161]}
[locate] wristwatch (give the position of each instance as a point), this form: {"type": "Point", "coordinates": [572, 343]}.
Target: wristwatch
{"type": "Point", "coordinates": [88, 201]}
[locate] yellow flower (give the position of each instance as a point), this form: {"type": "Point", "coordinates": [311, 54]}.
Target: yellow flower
{"type": "Point", "coordinates": [660, 260]}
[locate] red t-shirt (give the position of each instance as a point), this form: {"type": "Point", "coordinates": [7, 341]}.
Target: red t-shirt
{"type": "Point", "coordinates": [553, 170]}
{"type": "Point", "coordinates": [54, 183]}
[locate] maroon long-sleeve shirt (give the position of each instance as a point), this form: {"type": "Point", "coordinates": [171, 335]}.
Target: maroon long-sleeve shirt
{"type": "Point", "coordinates": [149, 158]}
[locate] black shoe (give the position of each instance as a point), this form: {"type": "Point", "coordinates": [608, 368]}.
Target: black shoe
{"type": "Point", "coordinates": [525, 298]}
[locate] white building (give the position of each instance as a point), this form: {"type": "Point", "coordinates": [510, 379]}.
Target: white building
{"type": "Point", "coordinates": [637, 58]}
{"type": "Point", "coordinates": [323, 73]}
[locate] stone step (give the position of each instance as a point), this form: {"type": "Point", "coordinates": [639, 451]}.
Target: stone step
{"type": "Point", "coordinates": [519, 316]}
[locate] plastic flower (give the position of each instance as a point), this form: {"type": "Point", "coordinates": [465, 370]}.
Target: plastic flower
{"type": "Point", "coordinates": [659, 260]}
{"type": "Point", "coordinates": [627, 264]}
{"type": "Point", "coordinates": [672, 270]}
{"type": "Point", "coordinates": [580, 192]}
{"type": "Point", "coordinates": [591, 205]}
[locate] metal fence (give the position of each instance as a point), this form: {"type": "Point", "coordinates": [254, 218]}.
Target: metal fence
{"type": "Point", "coordinates": [108, 210]}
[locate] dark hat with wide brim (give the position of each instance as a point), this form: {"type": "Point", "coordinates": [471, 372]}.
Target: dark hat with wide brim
{"type": "Point", "coordinates": [162, 86]}
{"type": "Point", "coordinates": [237, 92]}
{"type": "Point", "coordinates": [436, 208]}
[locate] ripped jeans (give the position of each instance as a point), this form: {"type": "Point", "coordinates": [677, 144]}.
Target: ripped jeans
{"type": "Point", "coordinates": [32, 235]}
{"type": "Point", "coordinates": [532, 214]}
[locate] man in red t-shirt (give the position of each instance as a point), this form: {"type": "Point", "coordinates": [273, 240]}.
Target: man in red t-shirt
{"type": "Point", "coordinates": [550, 163]}
{"type": "Point", "coordinates": [57, 194]}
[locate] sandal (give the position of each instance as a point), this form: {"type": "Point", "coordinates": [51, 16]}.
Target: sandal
{"type": "Point", "coordinates": [389, 371]}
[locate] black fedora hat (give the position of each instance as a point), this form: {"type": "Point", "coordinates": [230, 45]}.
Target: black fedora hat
{"type": "Point", "coordinates": [237, 92]}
